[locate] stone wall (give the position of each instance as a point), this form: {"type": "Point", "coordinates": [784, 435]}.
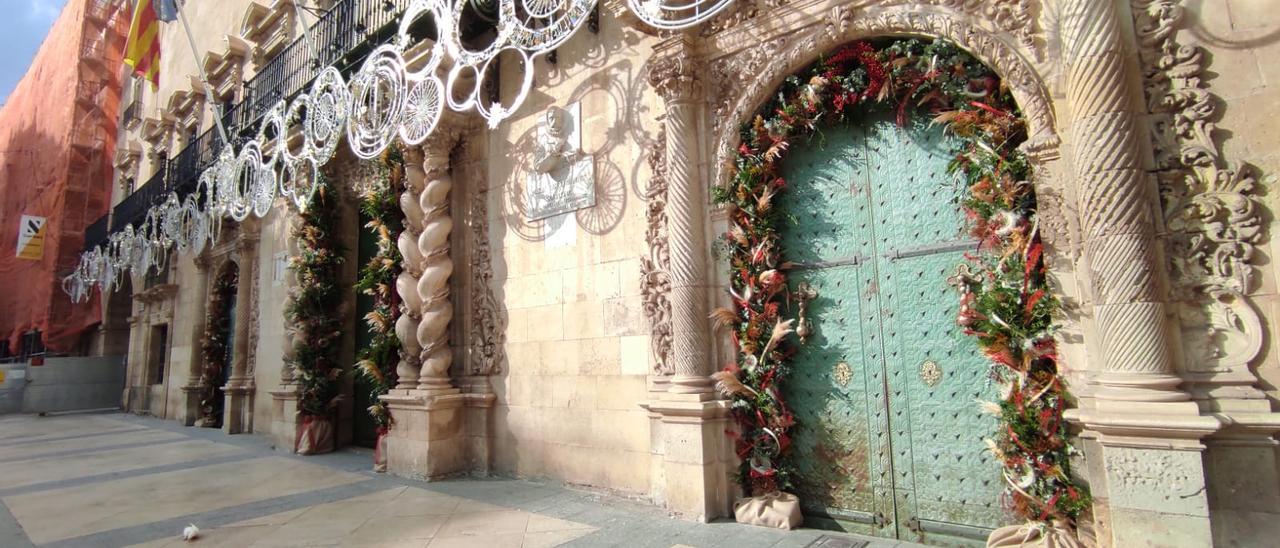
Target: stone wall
{"type": "Point", "coordinates": [577, 343]}
{"type": "Point", "coordinates": [1242, 39]}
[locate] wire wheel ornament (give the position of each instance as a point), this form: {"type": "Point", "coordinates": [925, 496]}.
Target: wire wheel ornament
{"type": "Point", "coordinates": [422, 110]}
{"type": "Point", "coordinates": [676, 14]}
{"type": "Point", "coordinates": [377, 102]}
{"type": "Point", "coordinates": [299, 178]}
{"type": "Point", "coordinates": [327, 109]}
{"type": "Point", "coordinates": [381, 101]}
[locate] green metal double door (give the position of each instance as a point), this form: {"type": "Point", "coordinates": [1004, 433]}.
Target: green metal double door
{"type": "Point", "coordinates": [889, 439]}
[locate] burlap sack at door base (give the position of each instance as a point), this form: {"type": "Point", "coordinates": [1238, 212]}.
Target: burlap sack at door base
{"type": "Point", "coordinates": [1031, 535]}
{"type": "Point", "coordinates": [380, 453]}
{"type": "Point", "coordinates": [775, 510]}
{"type": "Point", "coordinates": [315, 436]}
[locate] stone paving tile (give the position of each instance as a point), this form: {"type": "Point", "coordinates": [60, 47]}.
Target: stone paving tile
{"type": "Point", "coordinates": [24, 428]}
{"type": "Point", "coordinates": [269, 498]}
{"type": "Point", "coordinates": [139, 500]}
{"type": "Point", "coordinates": [78, 446]}
{"type": "Point", "coordinates": [43, 470]}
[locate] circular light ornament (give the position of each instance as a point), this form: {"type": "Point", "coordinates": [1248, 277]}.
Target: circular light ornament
{"type": "Point", "coordinates": [378, 93]}
{"type": "Point", "coordinates": [264, 189]}
{"type": "Point", "coordinates": [243, 183]}
{"type": "Point", "coordinates": [676, 14]}
{"type": "Point", "coordinates": [197, 225]}
{"type": "Point", "coordinates": [171, 221]}
{"type": "Point", "coordinates": [327, 109]}
{"type": "Point", "coordinates": [545, 24]}
{"type": "Point", "coordinates": [422, 110]}
{"type": "Point", "coordinates": [300, 178]}
{"type": "Point", "coordinates": [273, 129]}
{"type": "Point", "coordinates": [440, 14]}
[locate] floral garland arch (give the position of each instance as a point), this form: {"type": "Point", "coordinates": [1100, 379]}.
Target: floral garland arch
{"type": "Point", "coordinates": [315, 312]}
{"type": "Point", "coordinates": [1005, 302]}
{"type": "Point", "coordinates": [213, 347]}
{"type": "Point", "coordinates": [377, 362]}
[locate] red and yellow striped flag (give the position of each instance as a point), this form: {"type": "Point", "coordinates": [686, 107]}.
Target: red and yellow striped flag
{"type": "Point", "coordinates": [142, 52]}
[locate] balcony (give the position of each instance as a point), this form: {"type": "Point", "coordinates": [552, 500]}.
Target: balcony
{"type": "Point", "coordinates": [132, 115]}
{"type": "Point", "coordinates": [133, 208]}
{"type": "Point", "coordinates": [96, 233]}
{"type": "Point", "coordinates": [343, 36]}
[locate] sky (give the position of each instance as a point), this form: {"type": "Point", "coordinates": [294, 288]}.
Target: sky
{"type": "Point", "coordinates": [23, 27]}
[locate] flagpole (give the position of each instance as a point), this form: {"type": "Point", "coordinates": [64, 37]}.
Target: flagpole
{"type": "Point", "coordinates": [204, 78]}
{"type": "Point", "coordinates": [306, 33]}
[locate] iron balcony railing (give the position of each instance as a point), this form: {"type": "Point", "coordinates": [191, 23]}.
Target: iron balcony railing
{"type": "Point", "coordinates": [96, 233]}
{"type": "Point", "coordinates": [342, 37]}
{"type": "Point", "coordinates": [133, 208]}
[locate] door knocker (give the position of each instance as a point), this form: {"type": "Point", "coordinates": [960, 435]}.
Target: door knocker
{"type": "Point", "coordinates": [804, 293]}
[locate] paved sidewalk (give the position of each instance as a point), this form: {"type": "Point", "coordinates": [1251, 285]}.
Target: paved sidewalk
{"type": "Point", "coordinates": [119, 480]}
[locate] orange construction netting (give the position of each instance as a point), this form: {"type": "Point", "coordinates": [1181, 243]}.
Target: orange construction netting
{"type": "Point", "coordinates": [57, 140]}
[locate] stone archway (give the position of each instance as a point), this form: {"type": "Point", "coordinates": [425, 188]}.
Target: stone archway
{"type": "Point", "coordinates": [1135, 408]}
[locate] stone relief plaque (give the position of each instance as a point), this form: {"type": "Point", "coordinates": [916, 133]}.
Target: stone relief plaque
{"type": "Point", "coordinates": [563, 176]}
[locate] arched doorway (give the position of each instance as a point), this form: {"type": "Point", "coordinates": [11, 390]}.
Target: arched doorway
{"type": "Point", "coordinates": [217, 345]}
{"type": "Point", "coordinates": [851, 193]}
{"type": "Point", "coordinates": [888, 438]}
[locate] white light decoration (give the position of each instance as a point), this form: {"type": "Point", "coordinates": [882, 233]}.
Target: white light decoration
{"type": "Point", "coordinates": [378, 94]}
{"type": "Point", "coordinates": [328, 105]}
{"type": "Point", "coordinates": [381, 102]}
{"type": "Point", "coordinates": [676, 14]}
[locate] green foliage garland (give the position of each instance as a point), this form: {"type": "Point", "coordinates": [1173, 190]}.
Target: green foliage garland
{"type": "Point", "coordinates": [314, 308]}
{"type": "Point", "coordinates": [379, 202]}
{"type": "Point", "coordinates": [213, 347]}
{"type": "Point", "coordinates": [1005, 303]}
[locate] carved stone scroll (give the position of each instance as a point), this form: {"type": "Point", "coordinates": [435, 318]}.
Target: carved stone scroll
{"type": "Point", "coordinates": [744, 80]}
{"type": "Point", "coordinates": [1016, 17]}
{"type": "Point", "coordinates": [655, 283]}
{"type": "Point", "coordinates": [1210, 207]}
{"type": "Point", "coordinates": [487, 332]}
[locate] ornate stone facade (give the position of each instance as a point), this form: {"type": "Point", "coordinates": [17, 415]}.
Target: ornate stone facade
{"type": "Point", "coordinates": [580, 351]}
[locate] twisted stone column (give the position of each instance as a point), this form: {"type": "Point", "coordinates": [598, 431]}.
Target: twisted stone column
{"type": "Point", "coordinates": [675, 77]}
{"type": "Point", "coordinates": [433, 286]}
{"type": "Point", "coordinates": [407, 282]}
{"type": "Point", "coordinates": [1116, 209]}
{"type": "Point", "coordinates": [1149, 429]}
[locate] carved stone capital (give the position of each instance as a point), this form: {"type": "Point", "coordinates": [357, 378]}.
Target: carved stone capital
{"type": "Point", "coordinates": [675, 71]}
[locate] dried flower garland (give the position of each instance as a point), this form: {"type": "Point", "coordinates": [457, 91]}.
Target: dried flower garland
{"type": "Point", "coordinates": [213, 348]}
{"type": "Point", "coordinates": [1005, 303]}
{"type": "Point", "coordinates": [314, 311]}
{"type": "Point", "coordinates": [377, 362]}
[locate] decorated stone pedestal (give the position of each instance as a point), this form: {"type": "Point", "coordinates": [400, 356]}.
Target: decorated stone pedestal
{"type": "Point", "coordinates": [238, 411]}
{"type": "Point", "coordinates": [478, 423]}
{"type": "Point", "coordinates": [284, 416]}
{"type": "Point", "coordinates": [189, 412]}
{"type": "Point", "coordinates": [696, 460]}
{"type": "Point", "coordinates": [427, 440]}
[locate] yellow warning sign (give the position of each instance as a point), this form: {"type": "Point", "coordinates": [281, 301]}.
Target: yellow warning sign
{"type": "Point", "coordinates": [31, 237]}
{"type": "Point", "coordinates": [1, 376]}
